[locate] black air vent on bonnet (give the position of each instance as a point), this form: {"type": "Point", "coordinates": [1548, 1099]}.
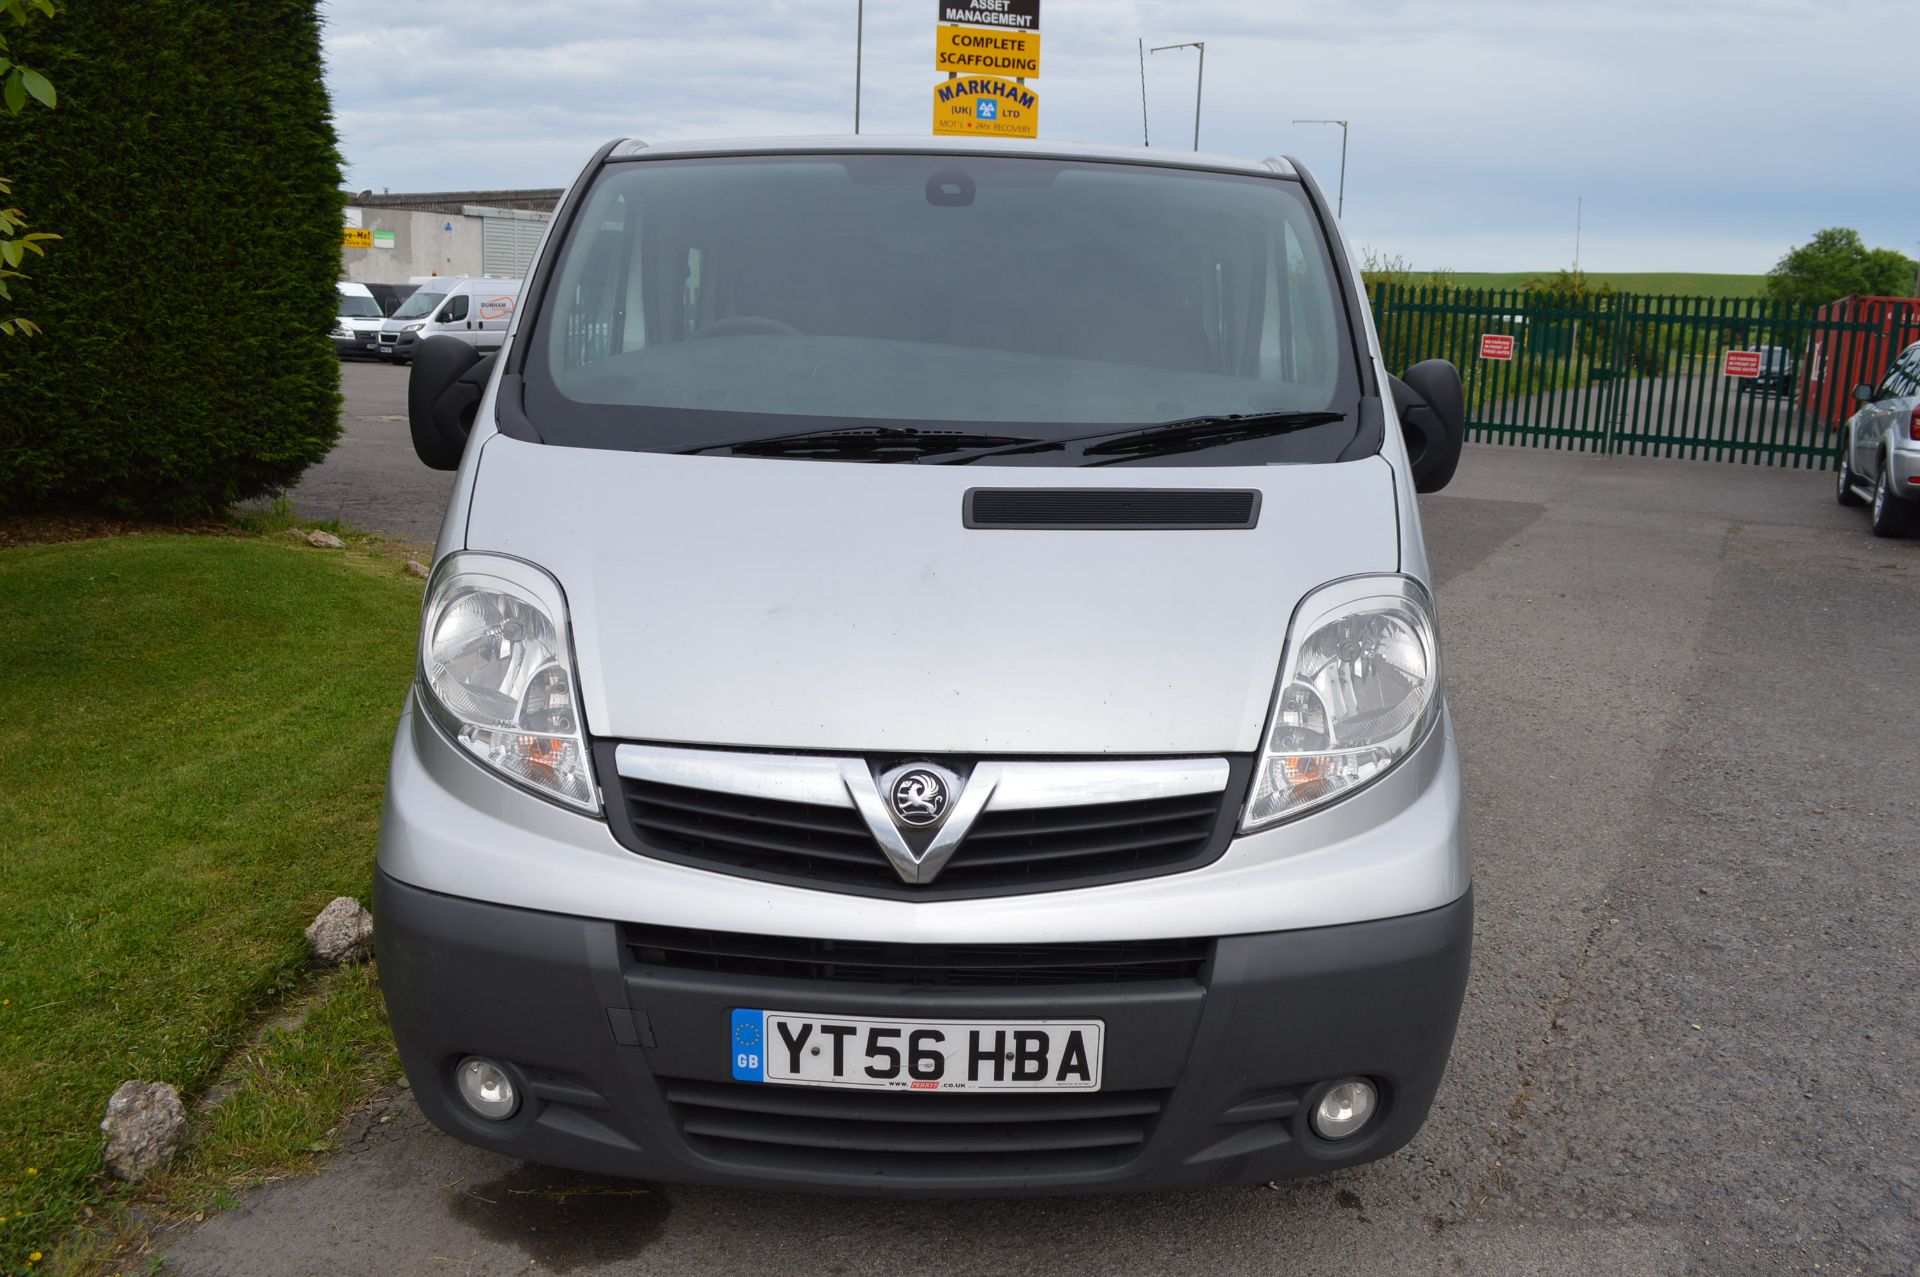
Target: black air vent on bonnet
{"type": "Point", "coordinates": [1110, 509]}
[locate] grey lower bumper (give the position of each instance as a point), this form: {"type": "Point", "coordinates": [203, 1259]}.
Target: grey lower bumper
{"type": "Point", "coordinates": [1208, 1080]}
{"type": "Point", "coordinates": [1905, 465]}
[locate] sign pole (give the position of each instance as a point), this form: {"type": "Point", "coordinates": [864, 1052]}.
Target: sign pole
{"type": "Point", "coordinates": [1144, 139]}
{"type": "Point", "coordinates": [1198, 84]}
{"type": "Point", "coordinates": [859, 40]}
{"type": "Point", "coordinates": [1340, 208]}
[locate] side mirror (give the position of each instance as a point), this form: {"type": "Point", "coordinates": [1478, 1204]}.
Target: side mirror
{"type": "Point", "coordinates": [443, 391]}
{"type": "Point", "coordinates": [1863, 393]}
{"type": "Point", "coordinates": [1432, 409]}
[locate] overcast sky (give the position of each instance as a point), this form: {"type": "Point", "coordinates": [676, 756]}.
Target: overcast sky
{"type": "Point", "coordinates": [1703, 135]}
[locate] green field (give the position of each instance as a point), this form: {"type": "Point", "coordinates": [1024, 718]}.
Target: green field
{"type": "Point", "coordinates": [191, 765]}
{"type": "Point", "coordinates": [1659, 283]}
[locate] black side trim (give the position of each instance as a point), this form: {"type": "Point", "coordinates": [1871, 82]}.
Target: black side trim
{"type": "Point", "coordinates": [971, 966]}
{"type": "Point", "coordinates": [510, 409]}
{"type": "Point", "coordinates": [1111, 509]}
{"type": "Point", "coordinates": [1371, 434]}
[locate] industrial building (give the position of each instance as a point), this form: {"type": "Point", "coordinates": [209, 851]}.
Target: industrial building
{"type": "Point", "coordinates": [404, 237]}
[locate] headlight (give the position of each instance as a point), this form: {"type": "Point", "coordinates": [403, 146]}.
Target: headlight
{"type": "Point", "coordinates": [410, 328]}
{"type": "Point", "coordinates": [496, 671]}
{"type": "Point", "coordinates": [1358, 690]}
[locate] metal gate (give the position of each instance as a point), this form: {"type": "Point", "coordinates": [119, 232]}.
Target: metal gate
{"type": "Point", "coordinates": [1629, 374]}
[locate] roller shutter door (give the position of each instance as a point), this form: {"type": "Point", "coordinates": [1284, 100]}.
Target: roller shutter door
{"type": "Point", "coordinates": [507, 244]}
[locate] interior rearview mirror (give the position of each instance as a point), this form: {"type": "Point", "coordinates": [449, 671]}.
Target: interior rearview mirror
{"type": "Point", "coordinates": [1863, 393]}
{"type": "Point", "coordinates": [443, 392]}
{"type": "Point", "coordinates": [1433, 418]}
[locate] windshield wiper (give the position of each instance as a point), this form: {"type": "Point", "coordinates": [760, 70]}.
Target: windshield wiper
{"type": "Point", "coordinates": [877, 443]}
{"type": "Point", "coordinates": [1182, 435]}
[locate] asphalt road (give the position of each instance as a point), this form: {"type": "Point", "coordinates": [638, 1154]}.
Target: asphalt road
{"type": "Point", "coordinates": [1686, 697]}
{"type": "Point", "coordinates": [372, 480]}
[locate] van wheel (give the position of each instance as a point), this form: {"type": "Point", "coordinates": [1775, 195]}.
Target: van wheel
{"type": "Point", "coordinates": [1843, 485]}
{"type": "Point", "coordinates": [1891, 515]}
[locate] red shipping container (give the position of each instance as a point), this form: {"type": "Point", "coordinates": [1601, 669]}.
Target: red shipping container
{"type": "Point", "coordinates": [1854, 341]}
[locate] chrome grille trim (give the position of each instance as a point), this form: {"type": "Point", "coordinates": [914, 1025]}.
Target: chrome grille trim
{"type": "Point", "coordinates": [992, 786]}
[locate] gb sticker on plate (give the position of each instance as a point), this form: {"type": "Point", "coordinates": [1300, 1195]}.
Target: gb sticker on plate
{"type": "Point", "coordinates": [749, 1034]}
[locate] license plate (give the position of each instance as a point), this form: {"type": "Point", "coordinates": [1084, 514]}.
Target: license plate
{"type": "Point", "coordinates": [798, 1049]}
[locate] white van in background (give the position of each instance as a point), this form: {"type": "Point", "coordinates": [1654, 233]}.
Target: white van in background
{"type": "Point", "coordinates": [474, 310]}
{"type": "Point", "coordinates": [357, 323]}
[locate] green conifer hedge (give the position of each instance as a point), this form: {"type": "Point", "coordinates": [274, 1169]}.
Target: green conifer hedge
{"type": "Point", "coordinates": [192, 173]}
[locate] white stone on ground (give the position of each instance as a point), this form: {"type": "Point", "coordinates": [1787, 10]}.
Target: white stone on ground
{"type": "Point", "coordinates": [342, 933]}
{"type": "Point", "coordinates": [145, 1123]}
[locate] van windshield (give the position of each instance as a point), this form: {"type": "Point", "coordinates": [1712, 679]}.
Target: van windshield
{"type": "Point", "coordinates": [706, 300]}
{"type": "Point", "coordinates": [419, 305]}
{"type": "Point", "coordinates": [353, 306]}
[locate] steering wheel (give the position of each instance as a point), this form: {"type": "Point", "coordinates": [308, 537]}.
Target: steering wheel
{"type": "Point", "coordinates": [746, 326]}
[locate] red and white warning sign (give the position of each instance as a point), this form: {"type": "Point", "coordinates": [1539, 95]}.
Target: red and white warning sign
{"type": "Point", "coordinates": [1496, 345]}
{"type": "Point", "coordinates": [1743, 363]}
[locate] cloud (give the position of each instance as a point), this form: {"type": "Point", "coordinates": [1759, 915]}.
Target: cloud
{"type": "Point", "coordinates": [1701, 136]}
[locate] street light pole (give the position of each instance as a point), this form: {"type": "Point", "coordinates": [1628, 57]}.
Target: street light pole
{"type": "Point", "coordinates": [1340, 208]}
{"type": "Point", "coordinates": [1199, 81]}
{"type": "Point", "coordinates": [859, 40]}
{"type": "Point", "coordinates": [1145, 139]}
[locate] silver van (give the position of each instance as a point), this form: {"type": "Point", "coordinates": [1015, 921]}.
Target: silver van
{"type": "Point", "coordinates": [467, 309]}
{"type": "Point", "coordinates": [930, 683]}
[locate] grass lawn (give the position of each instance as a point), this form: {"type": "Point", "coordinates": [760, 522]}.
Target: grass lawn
{"type": "Point", "coordinates": [191, 764]}
{"type": "Point", "coordinates": [1658, 283]}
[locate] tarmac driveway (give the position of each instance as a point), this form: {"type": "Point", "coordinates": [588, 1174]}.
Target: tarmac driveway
{"type": "Point", "coordinates": [372, 480]}
{"type": "Point", "coordinates": [1686, 696]}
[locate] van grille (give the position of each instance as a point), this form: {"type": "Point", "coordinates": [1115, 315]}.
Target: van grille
{"type": "Point", "coordinates": [1005, 851]}
{"type": "Point", "coordinates": [975, 966]}
{"type": "Point", "coordinates": [908, 1135]}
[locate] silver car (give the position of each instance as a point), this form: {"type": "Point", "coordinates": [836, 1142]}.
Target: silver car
{"type": "Point", "coordinates": [1880, 448]}
{"type": "Point", "coordinates": [930, 683]}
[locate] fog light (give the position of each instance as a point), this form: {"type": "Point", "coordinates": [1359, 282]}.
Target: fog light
{"type": "Point", "coordinates": [1344, 1109]}
{"type": "Point", "coordinates": [487, 1089]}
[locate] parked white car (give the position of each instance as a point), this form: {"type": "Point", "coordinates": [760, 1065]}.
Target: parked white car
{"type": "Point", "coordinates": [1880, 448]}
{"type": "Point", "coordinates": [473, 310]}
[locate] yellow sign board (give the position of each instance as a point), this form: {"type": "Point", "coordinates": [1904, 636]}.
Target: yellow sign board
{"type": "Point", "coordinates": [972, 50]}
{"type": "Point", "coordinates": [356, 237]}
{"type": "Point", "coordinates": [985, 106]}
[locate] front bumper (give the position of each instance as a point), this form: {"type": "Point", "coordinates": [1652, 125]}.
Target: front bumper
{"type": "Point", "coordinates": [625, 1064]}
{"type": "Point", "coordinates": [397, 345]}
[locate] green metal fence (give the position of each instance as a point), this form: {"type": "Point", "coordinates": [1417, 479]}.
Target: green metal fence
{"type": "Point", "coordinates": [1622, 373]}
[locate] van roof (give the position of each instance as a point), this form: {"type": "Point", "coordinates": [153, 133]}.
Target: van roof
{"type": "Point", "coordinates": [429, 281]}
{"type": "Point", "coordinates": [1166, 157]}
